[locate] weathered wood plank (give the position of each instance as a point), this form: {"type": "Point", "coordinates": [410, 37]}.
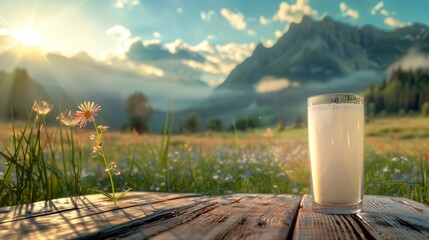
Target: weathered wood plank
{"type": "Point", "coordinates": [248, 216]}
{"type": "Point", "coordinates": [167, 219]}
{"type": "Point", "coordinates": [314, 225]}
{"type": "Point", "coordinates": [381, 218]}
{"type": "Point", "coordinates": [13, 213]}
{"type": "Point", "coordinates": [395, 218]}
{"type": "Point", "coordinates": [92, 218]}
{"type": "Point", "coordinates": [188, 216]}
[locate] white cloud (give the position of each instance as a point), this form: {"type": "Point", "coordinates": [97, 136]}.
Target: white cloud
{"type": "Point", "coordinates": [207, 16]}
{"type": "Point", "coordinates": [377, 8]}
{"type": "Point", "coordinates": [146, 69]}
{"type": "Point", "coordinates": [294, 12]}
{"type": "Point", "coordinates": [218, 60]}
{"type": "Point", "coordinates": [235, 19]}
{"type": "Point", "coordinates": [278, 33]}
{"type": "Point", "coordinates": [119, 31]}
{"type": "Point", "coordinates": [272, 84]}
{"type": "Point", "coordinates": [251, 32]}
{"type": "Point", "coordinates": [268, 43]}
{"type": "Point", "coordinates": [122, 38]}
{"type": "Point", "coordinates": [151, 42]}
{"type": "Point", "coordinates": [384, 12]}
{"type": "Point", "coordinates": [123, 3]}
{"type": "Point", "coordinates": [263, 20]}
{"type": "Point", "coordinates": [203, 47]}
{"type": "Point", "coordinates": [205, 67]}
{"type": "Point", "coordinates": [388, 20]}
{"type": "Point", "coordinates": [179, 10]}
{"type": "Point", "coordinates": [235, 51]}
{"type": "Point", "coordinates": [346, 11]}
{"type": "Point", "coordinates": [412, 60]}
{"type": "Point", "coordinates": [156, 34]}
{"type": "Point", "coordinates": [394, 23]}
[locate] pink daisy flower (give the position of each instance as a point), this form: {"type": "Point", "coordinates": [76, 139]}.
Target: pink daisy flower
{"type": "Point", "coordinates": [87, 113]}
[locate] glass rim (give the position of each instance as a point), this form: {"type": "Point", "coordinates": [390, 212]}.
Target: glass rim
{"type": "Point", "coordinates": [334, 94]}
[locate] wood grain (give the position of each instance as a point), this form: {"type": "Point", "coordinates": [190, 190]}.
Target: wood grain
{"type": "Point", "coordinates": [395, 218]}
{"type": "Point", "coordinates": [381, 218]}
{"type": "Point", "coordinates": [245, 216]}
{"type": "Point", "coordinates": [143, 215]}
{"type": "Point", "coordinates": [14, 213]}
{"type": "Point", "coordinates": [93, 215]}
{"type": "Point", "coordinates": [314, 225]}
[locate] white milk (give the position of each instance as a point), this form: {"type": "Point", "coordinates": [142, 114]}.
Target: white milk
{"type": "Point", "coordinates": [336, 134]}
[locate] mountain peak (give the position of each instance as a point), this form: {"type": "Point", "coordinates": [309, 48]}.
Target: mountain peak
{"type": "Point", "coordinates": [306, 20]}
{"type": "Point", "coordinates": [317, 50]}
{"type": "Point", "coordinates": [84, 56]}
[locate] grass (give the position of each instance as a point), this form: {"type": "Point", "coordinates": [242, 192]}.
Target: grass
{"type": "Point", "coordinates": [45, 161]}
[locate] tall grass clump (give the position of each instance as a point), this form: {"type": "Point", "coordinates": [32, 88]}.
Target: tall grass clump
{"type": "Point", "coordinates": [33, 171]}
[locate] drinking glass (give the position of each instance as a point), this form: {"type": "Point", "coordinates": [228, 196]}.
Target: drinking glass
{"type": "Point", "coordinates": [336, 140]}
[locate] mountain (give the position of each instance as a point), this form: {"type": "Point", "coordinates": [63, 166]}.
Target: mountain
{"type": "Point", "coordinates": [18, 93]}
{"type": "Point", "coordinates": [313, 57]}
{"type": "Point", "coordinates": [319, 50]}
{"type": "Point", "coordinates": [68, 81]}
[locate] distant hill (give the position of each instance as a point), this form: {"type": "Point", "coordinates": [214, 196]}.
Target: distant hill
{"type": "Point", "coordinates": [18, 93]}
{"type": "Point", "coordinates": [68, 81]}
{"type": "Point", "coordinates": [316, 51]}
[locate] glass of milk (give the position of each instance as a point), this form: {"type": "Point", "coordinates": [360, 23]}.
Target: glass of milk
{"type": "Point", "coordinates": [336, 139]}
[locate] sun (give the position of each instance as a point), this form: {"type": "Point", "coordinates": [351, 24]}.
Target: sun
{"type": "Point", "coordinates": [28, 37]}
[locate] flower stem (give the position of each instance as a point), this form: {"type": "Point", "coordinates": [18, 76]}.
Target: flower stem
{"type": "Point", "coordinates": [76, 177]}
{"type": "Point", "coordinates": [101, 152]}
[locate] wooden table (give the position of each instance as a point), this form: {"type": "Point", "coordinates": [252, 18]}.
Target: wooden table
{"type": "Point", "coordinates": [141, 215]}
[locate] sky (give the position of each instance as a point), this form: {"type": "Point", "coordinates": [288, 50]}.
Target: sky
{"type": "Point", "coordinates": [183, 39]}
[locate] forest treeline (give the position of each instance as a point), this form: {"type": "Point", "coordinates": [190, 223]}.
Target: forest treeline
{"type": "Point", "coordinates": [405, 91]}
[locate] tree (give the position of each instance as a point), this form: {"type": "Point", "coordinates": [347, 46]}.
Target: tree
{"type": "Point", "coordinates": [281, 125]}
{"type": "Point", "coordinates": [298, 121]}
{"type": "Point", "coordinates": [425, 109]}
{"type": "Point", "coordinates": [139, 111]}
{"type": "Point", "coordinates": [371, 109]}
{"type": "Point", "coordinates": [214, 125]}
{"type": "Point", "coordinates": [246, 123]}
{"type": "Point", "coordinates": [192, 124]}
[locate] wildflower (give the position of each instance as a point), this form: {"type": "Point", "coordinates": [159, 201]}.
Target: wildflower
{"type": "Point", "coordinates": [95, 149]}
{"type": "Point", "coordinates": [102, 128]}
{"type": "Point", "coordinates": [92, 137]}
{"type": "Point", "coordinates": [68, 119]}
{"type": "Point", "coordinates": [43, 108]}
{"type": "Point", "coordinates": [87, 112]}
{"type": "Point", "coordinates": [268, 133]}
{"type": "Point", "coordinates": [113, 164]}
{"type": "Point", "coordinates": [117, 172]}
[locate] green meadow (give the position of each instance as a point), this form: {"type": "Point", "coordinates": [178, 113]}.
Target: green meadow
{"type": "Point", "coordinates": [39, 162]}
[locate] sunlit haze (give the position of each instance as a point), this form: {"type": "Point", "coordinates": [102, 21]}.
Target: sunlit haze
{"type": "Point", "coordinates": [214, 36]}
{"type": "Point", "coordinates": [27, 37]}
